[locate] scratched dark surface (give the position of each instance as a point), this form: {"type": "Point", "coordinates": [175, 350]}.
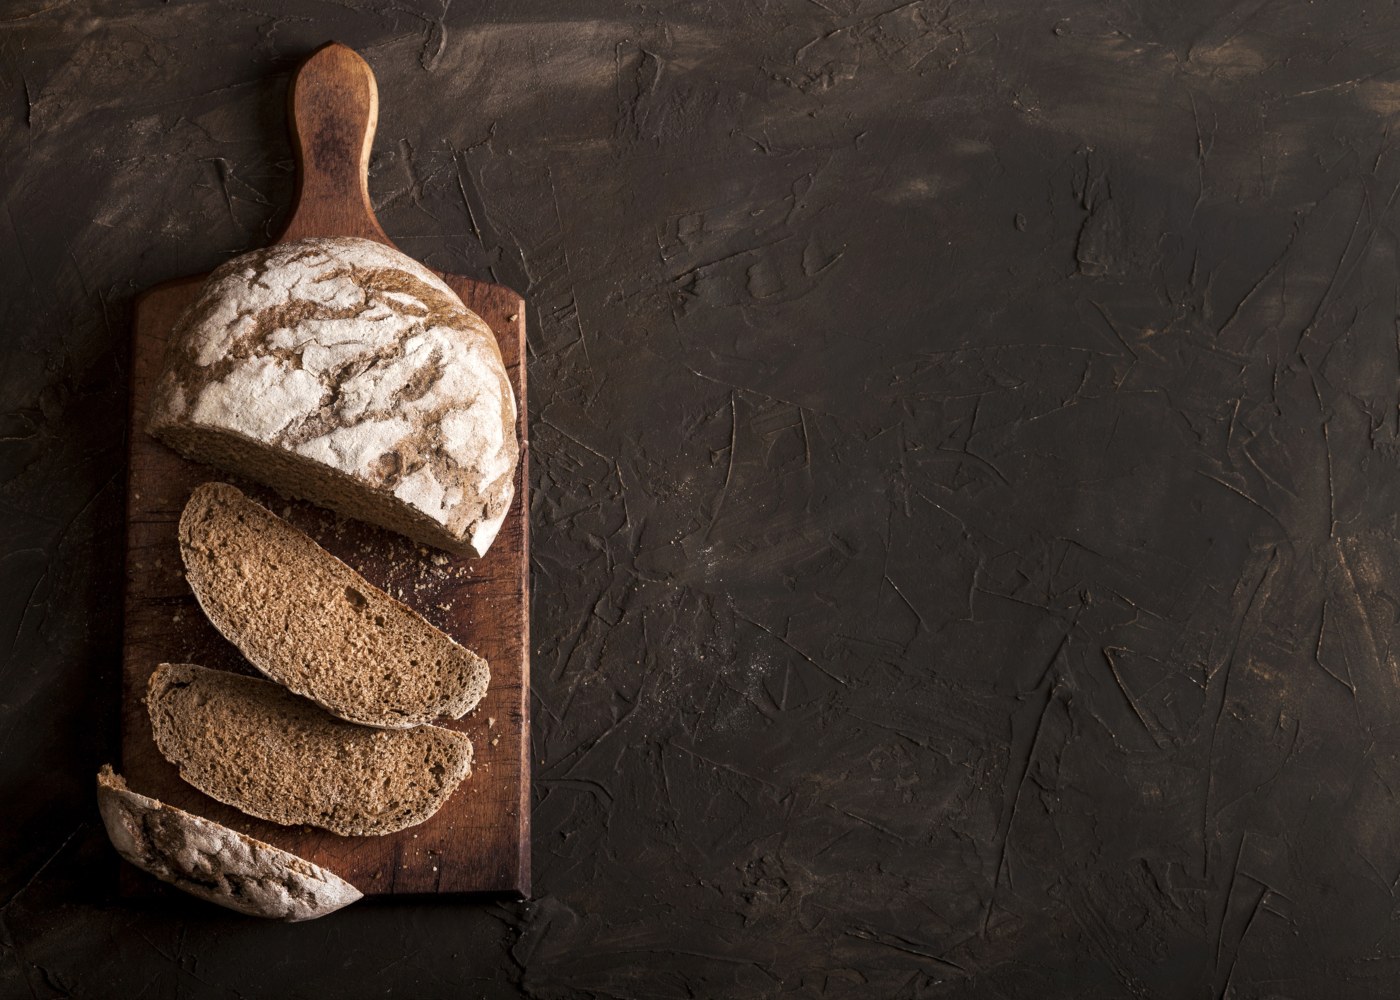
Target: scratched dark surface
{"type": "Point", "coordinates": [966, 459]}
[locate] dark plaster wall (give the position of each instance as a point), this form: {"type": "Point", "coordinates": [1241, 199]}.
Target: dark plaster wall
{"type": "Point", "coordinates": [966, 463]}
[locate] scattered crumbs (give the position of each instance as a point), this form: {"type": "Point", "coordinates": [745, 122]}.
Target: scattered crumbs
{"type": "Point", "coordinates": [490, 722]}
{"type": "Point", "coordinates": [439, 559]}
{"type": "Point", "coordinates": [434, 867]}
{"type": "Point", "coordinates": [495, 740]}
{"type": "Point", "coordinates": [512, 317]}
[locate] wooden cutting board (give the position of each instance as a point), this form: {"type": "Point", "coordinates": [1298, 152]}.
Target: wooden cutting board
{"type": "Point", "coordinates": [480, 840]}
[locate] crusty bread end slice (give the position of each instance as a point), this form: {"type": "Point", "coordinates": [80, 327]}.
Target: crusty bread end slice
{"type": "Point", "coordinates": [213, 862]}
{"type": "Point", "coordinates": [258, 747]}
{"type": "Point", "coordinates": [314, 625]}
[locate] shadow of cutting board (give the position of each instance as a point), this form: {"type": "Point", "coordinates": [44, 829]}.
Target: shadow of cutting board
{"type": "Point", "coordinates": [480, 840]}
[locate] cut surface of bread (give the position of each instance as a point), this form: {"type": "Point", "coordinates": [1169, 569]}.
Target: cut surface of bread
{"type": "Point", "coordinates": [213, 862]}
{"type": "Point", "coordinates": [256, 746]}
{"type": "Point", "coordinates": [342, 371]}
{"type": "Point", "coordinates": [314, 625]}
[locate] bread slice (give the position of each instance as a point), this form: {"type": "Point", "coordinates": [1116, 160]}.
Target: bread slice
{"type": "Point", "coordinates": [314, 625]}
{"type": "Point", "coordinates": [256, 746]}
{"type": "Point", "coordinates": [213, 862]}
{"type": "Point", "coordinates": [342, 371]}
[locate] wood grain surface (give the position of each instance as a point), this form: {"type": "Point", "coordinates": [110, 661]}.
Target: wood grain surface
{"type": "Point", "coordinates": [479, 841]}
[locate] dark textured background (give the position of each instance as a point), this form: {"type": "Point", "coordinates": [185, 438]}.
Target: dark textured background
{"type": "Point", "coordinates": [966, 455]}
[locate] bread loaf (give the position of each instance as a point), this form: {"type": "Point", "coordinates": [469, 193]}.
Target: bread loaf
{"type": "Point", "coordinates": [341, 371]}
{"type": "Point", "coordinates": [256, 746]}
{"type": "Point", "coordinates": [213, 862]}
{"type": "Point", "coordinates": [314, 625]}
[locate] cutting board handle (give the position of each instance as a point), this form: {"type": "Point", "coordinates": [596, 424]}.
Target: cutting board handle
{"type": "Point", "coordinates": [334, 108]}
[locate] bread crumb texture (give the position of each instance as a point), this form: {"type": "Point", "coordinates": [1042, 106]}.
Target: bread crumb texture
{"type": "Point", "coordinates": [254, 745]}
{"type": "Point", "coordinates": [342, 371]}
{"type": "Point", "coordinates": [213, 862]}
{"type": "Point", "coordinates": [313, 624]}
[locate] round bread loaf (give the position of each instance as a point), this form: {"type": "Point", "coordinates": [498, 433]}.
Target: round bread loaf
{"type": "Point", "coordinates": [343, 372]}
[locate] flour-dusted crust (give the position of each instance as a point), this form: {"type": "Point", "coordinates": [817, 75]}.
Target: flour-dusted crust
{"type": "Point", "coordinates": [342, 371]}
{"type": "Point", "coordinates": [213, 862]}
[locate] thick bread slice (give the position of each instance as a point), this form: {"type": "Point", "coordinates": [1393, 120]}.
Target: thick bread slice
{"type": "Point", "coordinates": [260, 748]}
{"type": "Point", "coordinates": [340, 370]}
{"type": "Point", "coordinates": [208, 860]}
{"type": "Point", "coordinates": [314, 625]}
